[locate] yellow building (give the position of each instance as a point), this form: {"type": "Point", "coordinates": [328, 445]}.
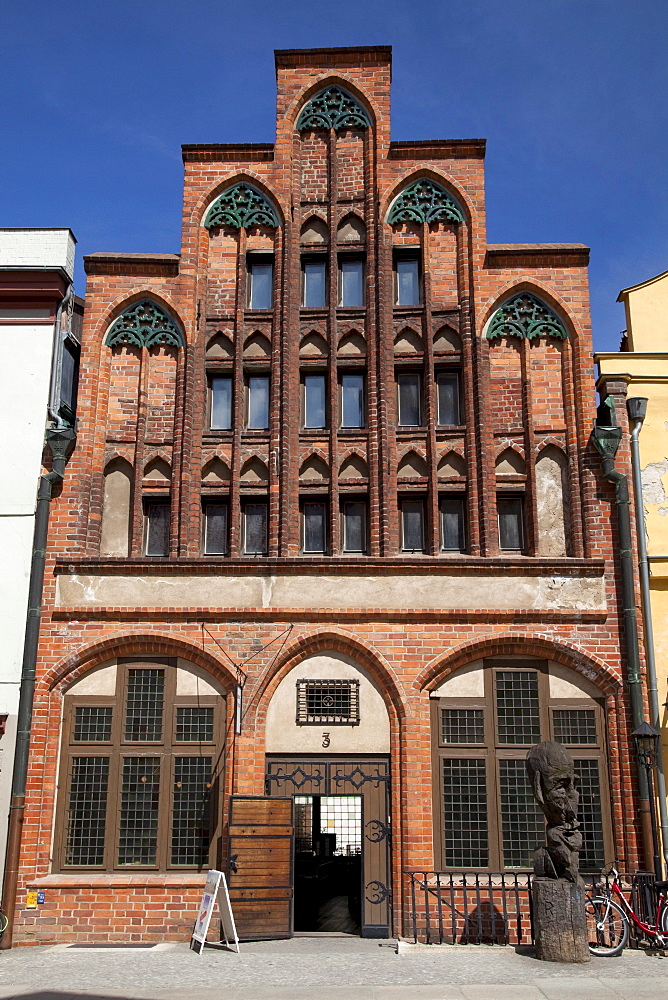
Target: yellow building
{"type": "Point", "coordinates": [643, 363]}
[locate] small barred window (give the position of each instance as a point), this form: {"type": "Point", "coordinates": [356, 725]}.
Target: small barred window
{"type": "Point", "coordinates": [334, 702]}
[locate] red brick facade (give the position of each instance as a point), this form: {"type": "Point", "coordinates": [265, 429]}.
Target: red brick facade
{"type": "Point", "coordinates": [140, 405]}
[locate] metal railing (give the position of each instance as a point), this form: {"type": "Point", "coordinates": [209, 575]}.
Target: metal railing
{"type": "Point", "coordinates": [495, 907]}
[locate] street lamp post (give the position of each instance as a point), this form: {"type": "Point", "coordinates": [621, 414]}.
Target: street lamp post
{"type": "Point", "coordinates": [647, 739]}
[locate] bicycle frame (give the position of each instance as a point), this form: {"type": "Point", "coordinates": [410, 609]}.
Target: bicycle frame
{"type": "Point", "coordinates": [652, 930]}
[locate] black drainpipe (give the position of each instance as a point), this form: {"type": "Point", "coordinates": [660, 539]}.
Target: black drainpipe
{"type": "Point", "coordinates": [606, 438]}
{"type": "Point", "coordinates": [60, 442]}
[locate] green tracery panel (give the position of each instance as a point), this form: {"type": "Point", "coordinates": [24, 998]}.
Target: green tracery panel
{"type": "Point", "coordinates": [241, 206]}
{"type": "Point", "coordinates": [525, 316]}
{"type": "Point", "coordinates": [425, 201]}
{"type": "Point", "coordinates": [144, 324]}
{"type": "Point", "coordinates": [333, 108]}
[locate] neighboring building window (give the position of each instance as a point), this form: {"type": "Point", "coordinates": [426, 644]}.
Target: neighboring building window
{"type": "Point", "coordinates": [351, 282]}
{"type": "Point", "coordinates": [407, 280]}
{"type": "Point", "coordinates": [69, 379]}
{"type": "Point", "coordinates": [409, 390]}
{"type": "Point", "coordinates": [156, 527]}
{"type": "Point", "coordinates": [315, 414]}
{"type": "Point", "coordinates": [412, 525]}
{"type": "Point", "coordinates": [352, 401]}
{"type": "Point", "coordinates": [354, 526]}
{"type": "Point", "coordinates": [255, 529]}
{"type": "Point", "coordinates": [258, 402]}
{"type": "Point", "coordinates": [453, 537]}
{"type": "Point", "coordinates": [448, 399]}
{"type": "Point", "coordinates": [138, 788]}
{"type": "Point", "coordinates": [488, 817]}
{"type": "Point", "coordinates": [220, 395]}
{"type": "Point", "coordinates": [261, 279]}
{"type": "Point", "coordinates": [314, 527]}
{"type": "Point", "coordinates": [511, 523]}
{"type": "Point", "coordinates": [335, 702]}
{"type": "Point", "coordinates": [215, 528]}
{"type": "Point", "coordinates": [314, 283]}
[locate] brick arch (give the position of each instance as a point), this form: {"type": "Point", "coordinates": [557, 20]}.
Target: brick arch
{"type": "Point", "coordinates": [293, 110]}
{"type": "Point", "coordinates": [509, 445]}
{"type": "Point", "coordinates": [157, 453]}
{"type": "Point", "coordinates": [338, 641]}
{"type": "Point", "coordinates": [550, 441]}
{"type": "Point", "coordinates": [71, 668]}
{"type": "Point", "coordinates": [418, 449]}
{"type": "Point", "coordinates": [541, 291]}
{"type": "Point", "coordinates": [123, 302]}
{"type": "Point", "coordinates": [249, 177]}
{"type": "Point", "coordinates": [442, 179]}
{"type": "Point", "coordinates": [354, 450]}
{"type": "Point", "coordinates": [118, 451]}
{"type": "Point", "coordinates": [511, 644]}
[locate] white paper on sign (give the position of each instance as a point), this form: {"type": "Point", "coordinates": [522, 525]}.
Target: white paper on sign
{"type": "Point", "coordinates": [215, 891]}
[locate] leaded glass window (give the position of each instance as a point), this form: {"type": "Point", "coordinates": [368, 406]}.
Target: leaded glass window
{"type": "Point", "coordinates": [487, 816]}
{"type": "Point", "coordinates": [141, 767]}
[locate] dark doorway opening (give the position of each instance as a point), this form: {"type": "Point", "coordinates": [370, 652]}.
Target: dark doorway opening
{"type": "Point", "coordinates": [328, 863]}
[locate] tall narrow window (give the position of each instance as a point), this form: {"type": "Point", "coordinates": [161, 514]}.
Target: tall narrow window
{"type": "Point", "coordinates": [452, 524]}
{"type": "Point", "coordinates": [511, 523]}
{"type": "Point", "coordinates": [215, 528]}
{"type": "Point", "coordinates": [156, 528]}
{"type": "Point", "coordinates": [407, 278]}
{"type": "Point", "coordinates": [314, 519]}
{"type": "Point", "coordinates": [314, 282]}
{"type": "Point", "coordinates": [221, 403]}
{"type": "Point", "coordinates": [351, 278]}
{"type": "Point", "coordinates": [448, 399]}
{"type": "Point", "coordinates": [412, 526]}
{"type": "Point", "coordinates": [314, 401]}
{"type": "Point", "coordinates": [255, 529]}
{"type": "Point", "coordinates": [258, 402]}
{"type": "Point", "coordinates": [354, 526]}
{"type": "Point", "coordinates": [69, 379]}
{"type": "Point", "coordinates": [352, 401]}
{"type": "Point", "coordinates": [409, 392]}
{"type": "Point", "coordinates": [260, 277]}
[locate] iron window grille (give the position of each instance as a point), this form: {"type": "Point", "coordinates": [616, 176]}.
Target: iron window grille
{"type": "Point", "coordinates": [330, 702]}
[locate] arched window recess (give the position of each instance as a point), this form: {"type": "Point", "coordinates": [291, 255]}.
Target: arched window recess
{"type": "Point", "coordinates": [333, 108]}
{"type": "Point", "coordinates": [144, 324]}
{"type": "Point", "coordinates": [525, 316]}
{"type": "Point", "coordinates": [241, 206]}
{"type": "Point", "coordinates": [425, 201]}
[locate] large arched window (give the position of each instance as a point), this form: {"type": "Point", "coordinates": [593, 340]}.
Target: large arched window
{"type": "Point", "coordinates": [141, 765]}
{"type": "Point", "coordinates": [484, 720]}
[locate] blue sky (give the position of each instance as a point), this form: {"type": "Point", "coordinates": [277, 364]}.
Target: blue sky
{"type": "Point", "coordinates": [571, 95]}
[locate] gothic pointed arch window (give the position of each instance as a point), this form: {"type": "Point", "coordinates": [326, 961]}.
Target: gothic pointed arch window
{"type": "Point", "coordinates": [144, 324]}
{"type": "Point", "coordinates": [333, 108]}
{"type": "Point", "coordinates": [524, 315]}
{"type": "Point", "coordinates": [241, 207]}
{"type": "Point", "coordinates": [424, 201]}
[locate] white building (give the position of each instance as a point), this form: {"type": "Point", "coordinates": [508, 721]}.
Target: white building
{"type": "Point", "coordinates": [38, 379]}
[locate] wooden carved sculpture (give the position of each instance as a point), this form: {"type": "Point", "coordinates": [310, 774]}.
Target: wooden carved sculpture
{"type": "Point", "coordinates": [552, 775]}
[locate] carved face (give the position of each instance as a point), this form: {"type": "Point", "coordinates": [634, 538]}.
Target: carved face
{"type": "Point", "coordinates": [561, 795]}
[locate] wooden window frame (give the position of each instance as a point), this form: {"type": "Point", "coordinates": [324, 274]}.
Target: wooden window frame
{"type": "Point", "coordinates": [492, 752]}
{"type": "Point", "coordinates": [408, 253]}
{"type": "Point", "coordinates": [118, 748]}
{"type": "Point", "coordinates": [455, 373]}
{"type": "Point", "coordinates": [210, 376]}
{"type": "Point", "coordinates": [261, 257]}
{"type": "Point", "coordinates": [316, 373]}
{"type": "Point", "coordinates": [355, 256]}
{"type": "Point", "coordinates": [363, 500]}
{"type": "Point", "coordinates": [155, 500]}
{"type": "Point", "coordinates": [215, 501]}
{"type": "Point", "coordinates": [321, 502]}
{"type": "Point", "coordinates": [313, 258]}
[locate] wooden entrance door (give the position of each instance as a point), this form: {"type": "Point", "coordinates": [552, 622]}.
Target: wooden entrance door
{"type": "Point", "coordinates": [261, 842]}
{"type": "Point", "coordinates": [363, 776]}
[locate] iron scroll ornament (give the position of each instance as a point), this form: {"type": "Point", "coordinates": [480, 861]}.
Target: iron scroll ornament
{"type": "Point", "coordinates": [333, 108]}
{"type": "Point", "coordinates": [241, 206]}
{"type": "Point", "coordinates": [527, 317]}
{"type": "Point", "coordinates": [144, 324]}
{"type": "Point", "coordinates": [376, 891]}
{"type": "Point", "coordinates": [379, 831]}
{"type": "Point", "coordinates": [357, 777]}
{"type": "Point", "coordinates": [425, 201]}
{"type": "Point", "coordinates": [298, 777]}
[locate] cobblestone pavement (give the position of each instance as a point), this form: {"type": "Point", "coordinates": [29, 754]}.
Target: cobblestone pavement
{"type": "Point", "coordinates": [324, 968]}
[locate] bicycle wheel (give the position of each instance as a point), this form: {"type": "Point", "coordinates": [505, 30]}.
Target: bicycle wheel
{"type": "Point", "coordinates": [4, 922]}
{"type": "Point", "coordinates": [607, 927]}
{"type": "Point", "coordinates": [664, 919]}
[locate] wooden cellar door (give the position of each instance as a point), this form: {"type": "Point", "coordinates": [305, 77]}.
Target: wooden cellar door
{"type": "Point", "coordinates": [261, 841]}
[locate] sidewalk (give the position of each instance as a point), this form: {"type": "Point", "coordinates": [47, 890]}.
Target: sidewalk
{"type": "Point", "coordinates": [323, 968]}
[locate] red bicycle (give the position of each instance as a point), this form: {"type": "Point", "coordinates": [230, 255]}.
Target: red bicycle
{"type": "Point", "coordinates": [608, 922]}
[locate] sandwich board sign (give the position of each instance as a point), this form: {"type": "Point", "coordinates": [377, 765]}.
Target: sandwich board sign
{"type": "Point", "coordinates": [215, 891]}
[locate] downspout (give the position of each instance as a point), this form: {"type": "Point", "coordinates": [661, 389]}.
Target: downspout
{"type": "Point", "coordinates": [60, 442]}
{"type": "Point", "coordinates": [652, 684]}
{"type": "Point", "coordinates": [53, 404]}
{"type": "Point", "coordinates": [633, 677]}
